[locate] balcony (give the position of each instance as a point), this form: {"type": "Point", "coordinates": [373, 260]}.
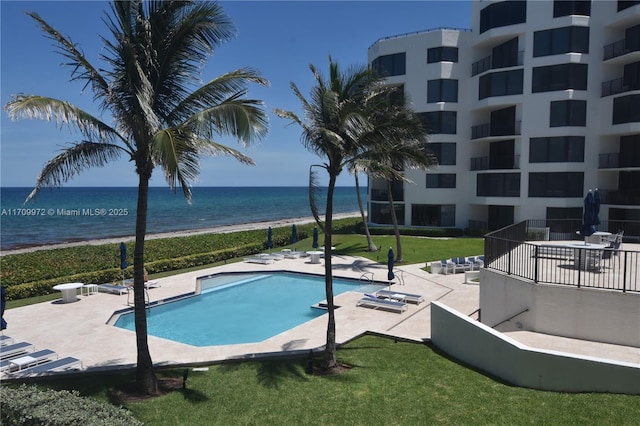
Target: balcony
{"type": "Point", "coordinates": [501, 163]}
{"type": "Point", "coordinates": [613, 87]}
{"type": "Point", "coordinates": [623, 198]}
{"type": "Point", "coordinates": [487, 130]}
{"type": "Point", "coordinates": [613, 161]}
{"type": "Point", "coordinates": [486, 64]}
{"type": "Point", "coordinates": [616, 49]}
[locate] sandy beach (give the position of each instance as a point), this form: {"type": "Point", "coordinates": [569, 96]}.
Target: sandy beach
{"type": "Point", "coordinates": [215, 230]}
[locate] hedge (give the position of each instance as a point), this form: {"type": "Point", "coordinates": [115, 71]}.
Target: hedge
{"type": "Point", "coordinates": [30, 406]}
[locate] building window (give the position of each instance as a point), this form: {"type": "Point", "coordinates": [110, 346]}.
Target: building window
{"type": "Point", "coordinates": [439, 121]}
{"type": "Point", "coordinates": [381, 213]}
{"type": "Point", "coordinates": [560, 184]}
{"type": "Point", "coordinates": [625, 4]}
{"type": "Point", "coordinates": [557, 149]}
{"type": "Point", "coordinates": [442, 54]}
{"type": "Point", "coordinates": [442, 90]}
{"type": "Point", "coordinates": [502, 83]}
{"type": "Point", "coordinates": [433, 215]}
{"type": "Point", "coordinates": [630, 151]}
{"type": "Point", "coordinates": [632, 39]}
{"type": "Point", "coordinates": [561, 40]}
{"type": "Point", "coordinates": [626, 109]}
{"type": "Point", "coordinates": [505, 55]}
{"type": "Point", "coordinates": [444, 152]}
{"type": "Point", "coordinates": [569, 7]}
{"type": "Point", "coordinates": [502, 14]}
{"type": "Point", "coordinates": [498, 185]}
{"type": "Point", "coordinates": [389, 65]}
{"type": "Point", "coordinates": [441, 180]}
{"type": "Point", "coordinates": [568, 113]}
{"type": "Point", "coordinates": [559, 77]}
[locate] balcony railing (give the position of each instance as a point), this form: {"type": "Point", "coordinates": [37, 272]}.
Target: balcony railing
{"type": "Point", "coordinates": [487, 130]}
{"type": "Point", "coordinates": [616, 49]}
{"type": "Point", "coordinates": [485, 163]}
{"type": "Point", "coordinates": [613, 161]}
{"type": "Point", "coordinates": [613, 87]}
{"type": "Point", "coordinates": [510, 251]}
{"type": "Point", "coordinates": [486, 64]}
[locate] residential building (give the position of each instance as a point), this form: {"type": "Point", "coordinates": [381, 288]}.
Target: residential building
{"type": "Point", "coordinates": [529, 110]}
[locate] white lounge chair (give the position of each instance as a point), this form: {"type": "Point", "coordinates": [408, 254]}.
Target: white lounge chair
{"type": "Point", "coordinates": [5, 340]}
{"type": "Point", "coordinates": [51, 366]}
{"type": "Point", "coordinates": [112, 288]}
{"type": "Point", "coordinates": [15, 349]}
{"type": "Point", "coordinates": [258, 259]}
{"type": "Point", "coordinates": [375, 303]}
{"type": "Point", "coordinates": [36, 358]}
{"type": "Point", "coordinates": [413, 298]}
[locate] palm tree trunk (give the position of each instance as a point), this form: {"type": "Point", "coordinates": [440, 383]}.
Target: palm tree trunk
{"type": "Point", "coordinates": [145, 376]}
{"type": "Point", "coordinates": [396, 229]}
{"type": "Point", "coordinates": [330, 355]}
{"type": "Point", "coordinates": [370, 244]}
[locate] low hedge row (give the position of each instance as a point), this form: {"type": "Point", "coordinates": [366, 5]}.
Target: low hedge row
{"type": "Point", "coordinates": [416, 232]}
{"type": "Point", "coordinates": [30, 406]}
{"type": "Point", "coordinates": [41, 287]}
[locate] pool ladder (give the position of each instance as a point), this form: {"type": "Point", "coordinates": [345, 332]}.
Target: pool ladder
{"type": "Point", "coordinates": [147, 301]}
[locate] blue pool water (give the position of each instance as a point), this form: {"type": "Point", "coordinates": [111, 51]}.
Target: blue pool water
{"type": "Point", "coordinates": [242, 308]}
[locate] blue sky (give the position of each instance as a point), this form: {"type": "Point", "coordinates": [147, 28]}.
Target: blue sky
{"type": "Point", "coordinates": [278, 38]}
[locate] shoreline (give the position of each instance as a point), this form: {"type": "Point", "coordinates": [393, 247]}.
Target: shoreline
{"type": "Point", "coordinates": [223, 229]}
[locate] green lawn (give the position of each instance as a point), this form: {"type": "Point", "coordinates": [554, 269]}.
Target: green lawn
{"type": "Point", "coordinates": [389, 383]}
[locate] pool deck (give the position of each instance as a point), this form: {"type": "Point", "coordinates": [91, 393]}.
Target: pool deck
{"type": "Point", "coordinates": [80, 328]}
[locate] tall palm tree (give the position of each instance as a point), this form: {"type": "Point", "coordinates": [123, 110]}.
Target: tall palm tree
{"type": "Point", "coordinates": [154, 59]}
{"type": "Point", "coordinates": [397, 141]}
{"type": "Point", "coordinates": [331, 126]}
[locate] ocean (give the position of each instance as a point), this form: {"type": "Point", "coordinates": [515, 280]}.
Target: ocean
{"type": "Point", "coordinates": [78, 214]}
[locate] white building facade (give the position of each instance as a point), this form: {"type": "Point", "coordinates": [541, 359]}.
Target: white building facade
{"type": "Point", "coordinates": [530, 109]}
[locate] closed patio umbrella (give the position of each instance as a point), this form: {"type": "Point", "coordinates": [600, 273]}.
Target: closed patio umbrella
{"type": "Point", "coordinates": [3, 304]}
{"type": "Point", "coordinates": [390, 259]}
{"type": "Point", "coordinates": [588, 228]}
{"type": "Point", "coordinates": [294, 235]}
{"type": "Point", "coordinates": [123, 259]}
{"type": "Point", "coordinates": [269, 238]}
{"type": "Point", "coordinates": [314, 244]}
{"type": "Point", "coordinates": [596, 207]}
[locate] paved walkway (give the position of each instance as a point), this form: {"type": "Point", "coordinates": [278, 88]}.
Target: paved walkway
{"type": "Point", "coordinates": [80, 328]}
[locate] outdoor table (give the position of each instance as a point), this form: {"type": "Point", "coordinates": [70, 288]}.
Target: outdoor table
{"type": "Point", "coordinates": [315, 256]}
{"type": "Point", "coordinates": [580, 253]}
{"type": "Point", "coordinates": [68, 291]}
{"type": "Point", "coordinates": [599, 237]}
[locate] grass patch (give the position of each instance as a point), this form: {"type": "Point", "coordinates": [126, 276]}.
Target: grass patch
{"type": "Point", "coordinates": [390, 383]}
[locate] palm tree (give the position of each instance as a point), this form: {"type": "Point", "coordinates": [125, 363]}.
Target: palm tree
{"type": "Point", "coordinates": [397, 141]}
{"type": "Point", "coordinates": [154, 59]}
{"type": "Point", "coordinates": [331, 127]}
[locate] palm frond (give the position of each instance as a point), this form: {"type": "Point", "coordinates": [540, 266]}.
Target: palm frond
{"type": "Point", "coordinates": [82, 68]}
{"type": "Point", "coordinates": [231, 85]}
{"type": "Point", "coordinates": [241, 118]}
{"type": "Point", "coordinates": [64, 114]}
{"type": "Point", "coordinates": [73, 160]}
{"type": "Point", "coordinates": [314, 194]}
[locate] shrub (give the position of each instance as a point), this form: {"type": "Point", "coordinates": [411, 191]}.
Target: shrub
{"type": "Point", "coordinates": [28, 405]}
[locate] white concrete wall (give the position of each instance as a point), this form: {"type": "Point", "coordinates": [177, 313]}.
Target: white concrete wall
{"type": "Point", "coordinates": [581, 313]}
{"type": "Point", "coordinates": [486, 349]}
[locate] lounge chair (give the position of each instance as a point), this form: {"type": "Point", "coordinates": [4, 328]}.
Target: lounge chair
{"type": "Point", "coordinates": [5, 340]}
{"type": "Point", "coordinates": [462, 264]}
{"type": "Point", "coordinates": [15, 349]}
{"type": "Point", "coordinates": [51, 366]}
{"type": "Point", "coordinates": [413, 298]}
{"type": "Point", "coordinates": [375, 303]}
{"type": "Point", "coordinates": [259, 259]}
{"type": "Point", "coordinates": [112, 288]}
{"type": "Point", "coordinates": [36, 358]}
{"type": "Point", "coordinates": [447, 266]}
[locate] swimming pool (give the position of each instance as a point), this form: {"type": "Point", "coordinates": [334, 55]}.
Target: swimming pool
{"type": "Point", "coordinates": [242, 308]}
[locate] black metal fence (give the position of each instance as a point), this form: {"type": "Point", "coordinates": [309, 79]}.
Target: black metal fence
{"type": "Point", "coordinates": [568, 263]}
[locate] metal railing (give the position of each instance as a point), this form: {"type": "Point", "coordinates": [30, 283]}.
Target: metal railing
{"type": "Point", "coordinates": [486, 63]}
{"type": "Point", "coordinates": [574, 264]}
{"type": "Point", "coordinates": [616, 49]}
{"type": "Point", "coordinates": [486, 130]}
{"type": "Point", "coordinates": [484, 163]}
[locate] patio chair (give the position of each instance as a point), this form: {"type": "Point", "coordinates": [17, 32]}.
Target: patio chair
{"type": "Point", "coordinates": [36, 358]}
{"type": "Point", "coordinates": [413, 298]}
{"type": "Point", "coordinates": [370, 301]}
{"type": "Point", "coordinates": [5, 340]}
{"type": "Point", "coordinates": [15, 349]}
{"type": "Point", "coordinates": [447, 266]}
{"type": "Point", "coordinates": [49, 367]}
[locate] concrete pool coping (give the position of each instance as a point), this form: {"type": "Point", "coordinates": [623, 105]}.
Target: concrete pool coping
{"type": "Point", "coordinates": [80, 329]}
